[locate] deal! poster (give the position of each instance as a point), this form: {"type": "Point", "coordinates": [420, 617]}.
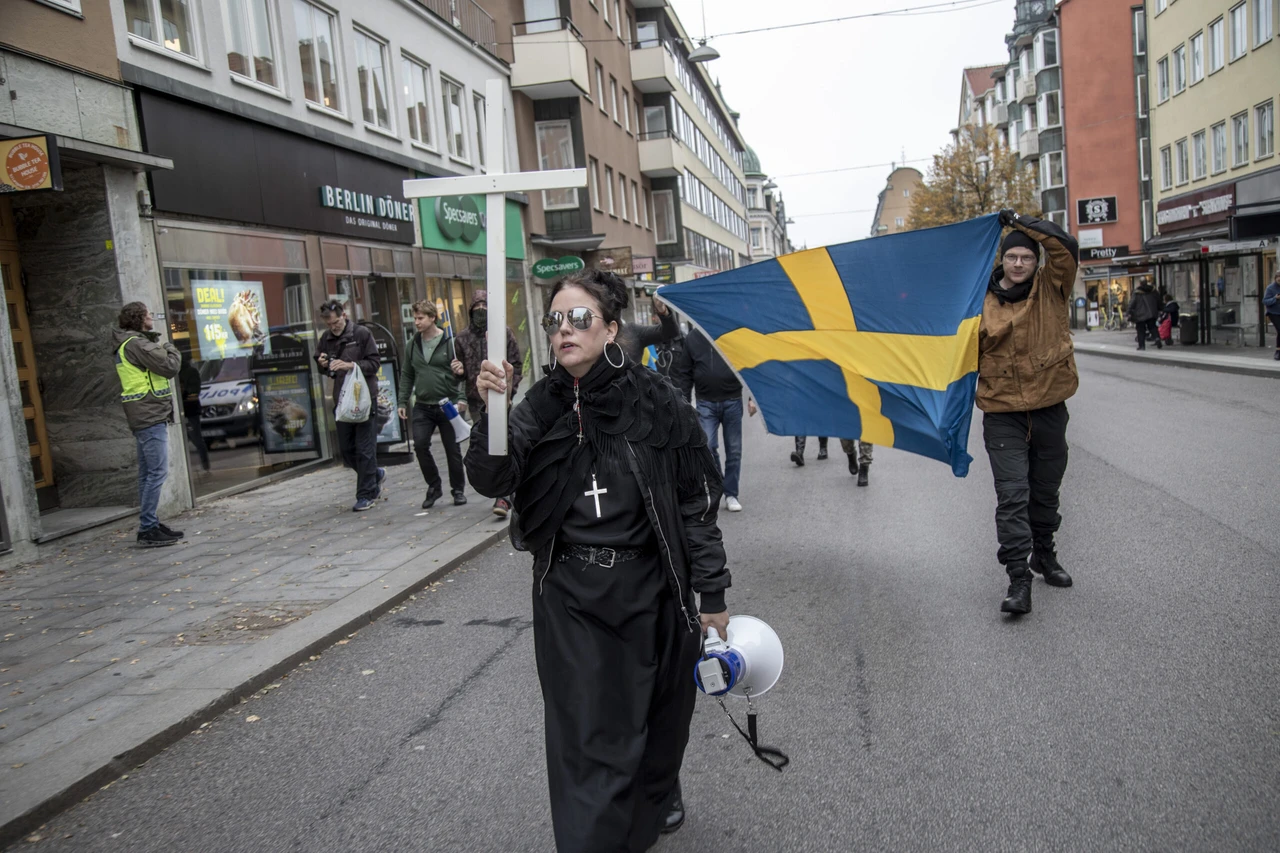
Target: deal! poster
{"type": "Point", "coordinates": [288, 423]}
{"type": "Point", "coordinates": [231, 318]}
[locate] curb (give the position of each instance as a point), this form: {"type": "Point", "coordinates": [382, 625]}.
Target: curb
{"type": "Point", "coordinates": [175, 712]}
{"type": "Point", "coordinates": [1238, 366]}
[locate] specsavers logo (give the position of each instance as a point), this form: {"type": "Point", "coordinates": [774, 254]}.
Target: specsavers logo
{"type": "Point", "coordinates": [459, 218]}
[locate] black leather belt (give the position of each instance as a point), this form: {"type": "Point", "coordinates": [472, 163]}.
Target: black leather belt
{"type": "Point", "coordinates": [595, 556]}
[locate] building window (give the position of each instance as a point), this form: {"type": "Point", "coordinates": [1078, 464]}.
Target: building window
{"type": "Point", "coordinates": [644, 211]}
{"type": "Point", "coordinates": [617, 16]}
{"type": "Point", "coordinates": [417, 99]}
{"type": "Point", "coordinates": [478, 110]}
{"type": "Point", "coordinates": [613, 96]}
{"type": "Point", "coordinates": [252, 48]}
{"type": "Point", "coordinates": [1050, 111]}
{"type": "Point", "coordinates": [600, 88]}
{"type": "Point", "coordinates": [371, 70]}
{"type": "Point", "coordinates": [1216, 55]}
{"type": "Point", "coordinates": [1264, 120]}
{"type": "Point", "coordinates": [1052, 173]}
{"type": "Point", "coordinates": [626, 110]}
{"type": "Point", "coordinates": [608, 186]}
{"type": "Point", "coordinates": [899, 221]}
{"type": "Point", "coordinates": [69, 5]}
{"type": "Point", "coordinates": [622, 196]}
{"type": "Point", "coordinates": [1144, 158]}
{"type": "Point", "coordinates": [1238, 33]}
{"type": "Point", "coordinates": [169, 24]}
{"type": "Point", "coordinates": [1261, 21]}
{"type": "Point", "coordinates": [906, 193]}
{"type": "Point", "coordinates": [636, 212]}
{"type": "Point", "coordinates": [605, 6]}
{"type": "Point", "coordinates": [755, 239]}
{"type": "Point", "coordinates": [1059, 218]}
{"type": "Point", "coordinates": [1166, 168]}
{"type": "Point", "coordinates": [555, 151]}
{"type": "Point", "coordinates": [626, 33]}
{"type": "Point", "coordinates": [1219, 133]}
{"type": "Point", "coordinates": [1142, 96]}
{"type": "Point", "coordinates": [636, 115]}
{"type": "Point", "coordinates": [1179, 69]}
{"type": "Point", "coordinates": [594, 175]}
{"type": "Point", "coordinates": [1162, 80]}
{"type": "Point", "coordinates": [664, 217]}
{"type": "Point", "coordinates": [1140, 33]}
{"type": "Point", "coordinates": [1197, 58]}
{"type": "Point", "coordinates": [1046, 49]}
{"type": "Point", "coordinates": [317, 48]}
{"type": "Point", "coordinates": [1199, 155]}
{"type": "Point", "coordinates": [455, 121]}
{"type": "Point", "coordinates": [1161, 5]}
{"type": "Point", "coordinates": [1182, 153]}
{"type": "Point", "coordinates": [1240, 139]}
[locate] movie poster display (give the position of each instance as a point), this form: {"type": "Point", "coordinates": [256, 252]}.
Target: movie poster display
{"type": "Point", "coordinates": [231, 318]}
{"type": "Point", "coordinates": [287, 413]}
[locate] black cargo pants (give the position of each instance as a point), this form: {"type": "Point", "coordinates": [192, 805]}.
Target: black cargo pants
{"type": "Point", "coordinates": [1028, 453]}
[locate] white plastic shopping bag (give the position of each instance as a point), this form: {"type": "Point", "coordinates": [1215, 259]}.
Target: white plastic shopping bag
{"type": "Point", "coordinates": [355, 404]}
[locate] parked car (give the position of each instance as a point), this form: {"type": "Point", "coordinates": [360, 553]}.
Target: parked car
{"type": "Point", "coordinates": [228, 400]}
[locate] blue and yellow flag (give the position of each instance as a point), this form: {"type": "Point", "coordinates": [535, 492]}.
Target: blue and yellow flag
{"type": "Point", "coordinates": [875, 339]}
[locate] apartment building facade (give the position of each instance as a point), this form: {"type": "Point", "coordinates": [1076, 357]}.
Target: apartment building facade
{"type": "Point", "coordinates": [893, 205]}
{"type": "Point", "coordinates": [1214, 88]}
{"type": "Point", "coordinates": [766, 211]}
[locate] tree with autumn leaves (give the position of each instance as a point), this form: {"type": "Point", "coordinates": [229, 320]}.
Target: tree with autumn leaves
{"type": "Point", "coordinates": [972, 177]}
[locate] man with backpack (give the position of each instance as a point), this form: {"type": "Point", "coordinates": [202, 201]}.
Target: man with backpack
{"type": "Point", "coordinates": [428, 377]}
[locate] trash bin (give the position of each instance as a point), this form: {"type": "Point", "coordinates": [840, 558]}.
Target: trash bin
{"type": "Point", "coordinates": [1188, 329]}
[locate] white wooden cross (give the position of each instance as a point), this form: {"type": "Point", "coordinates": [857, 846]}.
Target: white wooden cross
{"type": "Point", "coordinates": [494, 186]}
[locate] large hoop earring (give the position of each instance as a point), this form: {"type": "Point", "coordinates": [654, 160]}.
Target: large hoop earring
{"type": "Point", "coordinates": [551, 356]}
{"type": "Point", "coordinates": [622, 356]}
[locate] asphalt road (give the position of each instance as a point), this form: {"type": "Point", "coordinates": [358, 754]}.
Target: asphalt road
{"type": "Point", "coordinates": [1134, 711]}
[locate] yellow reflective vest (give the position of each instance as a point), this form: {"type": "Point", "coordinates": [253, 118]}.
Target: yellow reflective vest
{"type": "Point", "coordinates": [136, 382]}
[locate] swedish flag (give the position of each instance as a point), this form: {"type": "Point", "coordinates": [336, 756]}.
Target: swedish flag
{"type": "Point", "coordinates": [875, 339]}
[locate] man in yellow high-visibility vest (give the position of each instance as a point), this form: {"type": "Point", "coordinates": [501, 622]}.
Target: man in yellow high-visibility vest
{"type": "Point", "coordinates": [145, 365]}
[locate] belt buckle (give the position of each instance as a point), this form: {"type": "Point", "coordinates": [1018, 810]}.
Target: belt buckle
{"type": "Point", "coordinates": [599, 552]}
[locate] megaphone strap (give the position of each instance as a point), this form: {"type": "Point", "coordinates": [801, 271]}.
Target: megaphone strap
{"type": "Point", "coordinates": [771, 755]}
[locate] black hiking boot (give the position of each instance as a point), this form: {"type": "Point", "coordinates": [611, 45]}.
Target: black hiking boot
{"type": "Point", "coordinates": [1046, 563]}
{"type": "Point", "coordinates": [674, 817]}
{"type": "Point", "coordinates": [863, 470]}
{"type": "Point", "coordinates": [1018, 601]}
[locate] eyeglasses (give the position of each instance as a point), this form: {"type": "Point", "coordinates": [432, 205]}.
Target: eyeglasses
{"type": "Point", "coordinates": [1019, 259]}
{"type": "Point", "coordinates": [580, 318]}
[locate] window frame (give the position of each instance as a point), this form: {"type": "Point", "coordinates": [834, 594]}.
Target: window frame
{"type": "Point", "coordinates": [450, 136]}
{"type": "Point", "coordinates": [417, 71]}
{"type": "Point", "coordinates": [612, 209]}
{"type": "Point", "coordinates": [613, 98]}
{"type": "Point", "coordinates": [1216, 131]}
{"type": "Point", "coordinates": [1238, 162]}
{"type": "Point", "coordinates": [1182, 162]}
{"type": "Point", "coordinates": [478, 106]}
{"type": "Point", "coordinates": [593, 174]}
{"type": "Point", "coordinates": [1039, 58]}
{"type": "Point", "coordinates": [1178, 57]}
{"type": "Point", "coordinates": [622, 197]}
{"type": "Point", "coordinates": [1140, 32]}
{"type": "Point", "coordinates": [338, 62]}
{"type": "Point", "coordinates": [1217, 44]}
{"type": "Point", "coordinates": [1195, 69]}
{"type": "Point", "coordinates": [566, 125]}
{"type": "Point", "coordinates": [1163, 80]}
{"type": "Point", "coordinates": [1262, 6]}
{"type": "Point", "coordinates": [1268, 108]}
{"type": "Point", "coordinates": [1042, 109]}
{"type": "Point", "coordinates": [197, 35]}
{"type": "Point", "coordinates": [1144, 158]}
{"type": "Point", "coordinates": [1243, 8]}
{"type": "Point", "coordinates": [600, 87]}
{"type": "Point", "coordinates": [1144, 106]}
{"type": "Point", "coordinates": [271, 13]}
{"type": "Point", "coordinates": [626, 110]}
{"type": "Point", "coordinates": [1166, 167]}
{"type": "Point", "coordinates": [1046, 170]}
{"type": "Point", "coordinates": [384, 49]}
{"type": "Point", "coordinates": [1199, 155]}
{"type": "Point", "coordinates": [667, 196]}
{"type": "Point", "coordinates": [635, 203]}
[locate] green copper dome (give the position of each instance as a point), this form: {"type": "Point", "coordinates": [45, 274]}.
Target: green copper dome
{"type": "Point", "coordinates": [751, 163]}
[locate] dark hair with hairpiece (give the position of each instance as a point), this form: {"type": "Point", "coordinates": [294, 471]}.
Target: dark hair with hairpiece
{"type": "Point", "coordinates": [606, 288]}
{"type": "Point", "coordinates": [133, 316]}
{"type": "Point", "coordinates": [333, 306]}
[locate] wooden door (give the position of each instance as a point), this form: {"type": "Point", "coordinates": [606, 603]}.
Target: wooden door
{"type": "Point", "coordinates": [23, 353]}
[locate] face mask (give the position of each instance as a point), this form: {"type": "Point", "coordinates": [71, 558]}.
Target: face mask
{"type": "Point", "coordinates": [479, 317]}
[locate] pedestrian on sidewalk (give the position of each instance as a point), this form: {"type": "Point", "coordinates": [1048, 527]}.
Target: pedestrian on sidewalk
{"type": "Point", "coordinates": [859, 458]}
{"type": "Point", "coordinates": [616, 496]}
{"type": "Point", "coordinates": [347, 346]}
{"type": "Point", "coordinates": [428, 378]}
{"type": "Point", "coordinates": [719, 406]}
{"type": "Point", "coordinates": [145, 364]}
{"type": "Point", "coordinates": [1271, 299]}
{"type": "Point", "coordinates": [797, 455]}
{"type": "Point", "coordinates": [1024, 381]}
{"type": "Point", "coordinates": [1143, 309]}
{"type": "Point", "coordinates": [1171, 309]}
{"type": "Point", "coordinates": [471, 345]}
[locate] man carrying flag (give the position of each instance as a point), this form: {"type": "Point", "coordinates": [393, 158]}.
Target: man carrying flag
{"type": "Point", "coordinates": [1026, 372]}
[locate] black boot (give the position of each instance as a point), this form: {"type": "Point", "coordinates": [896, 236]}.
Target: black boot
{"type": "Point", "coordinates": [863, 470]}
{"type": "Point", "coordinates": [797, 457]}
{"type": "Point", "coordinates": [822, 449]}
{"type": "Point", "coordinates": [853, 464]}
{"type": "Point", "coordinates": [1046, 563]}
{"type": "Point", "coordinates": [1018, 601]}
{"type": "Point", "coordinates": [433, 494]}
{"type": "Point", "coordinates": [674, 817]}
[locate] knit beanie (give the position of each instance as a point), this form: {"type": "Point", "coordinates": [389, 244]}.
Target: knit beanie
{"type": "Point", "coordinates": [1016, 239]}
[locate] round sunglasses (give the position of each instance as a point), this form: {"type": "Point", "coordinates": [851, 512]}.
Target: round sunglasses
{"type": "Point", "coordinates": [580, 318]}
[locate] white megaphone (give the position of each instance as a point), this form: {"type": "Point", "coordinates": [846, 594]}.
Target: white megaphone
{"type": "Point", "coordinates": [746, 664]}
{"type": "Point", "coordinates": [461, 429]}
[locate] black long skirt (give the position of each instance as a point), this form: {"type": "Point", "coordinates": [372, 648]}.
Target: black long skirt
{"type": "Point", "coordinates": [615, 659]}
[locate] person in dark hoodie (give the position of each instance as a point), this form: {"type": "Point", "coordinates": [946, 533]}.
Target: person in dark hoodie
{"type": "Point", "coordinates": [1144, 307]}
{"type": "Point", "coordinates": [145, 365]}
{"type": "Point", "coordinates": [1026, 373]}
{"type": "Point", "coordinates": [616, 497]}
{"type": "Point", "coordinates": [345, 347]}
{"type": "Point", "coordinates": [719, 406]}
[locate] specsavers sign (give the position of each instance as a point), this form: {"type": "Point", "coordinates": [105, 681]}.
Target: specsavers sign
{"type": "Point", "coordinates": [457, 224]}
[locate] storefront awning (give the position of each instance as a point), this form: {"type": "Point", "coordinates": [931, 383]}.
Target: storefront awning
{"type": "Point", "coordinates": [83, 151]}
{"type": "Point", "coordinates": [1185, 241]}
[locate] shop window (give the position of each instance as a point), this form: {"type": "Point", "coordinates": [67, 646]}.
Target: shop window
{"type": "Point", "coordinates": [318, 50]}
{"type": "Point", "coordinates": [251, 41]}
{"type": "Point", "coordinates": [372, 73]}
{"type": "Point", "coordinates": [170, 24]}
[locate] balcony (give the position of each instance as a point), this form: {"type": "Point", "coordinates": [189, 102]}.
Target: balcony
{"type": "Point", "coordinates": [653, 68]}
{"type": "Point", "coordinates": [1029, 145]}
{"type": "Point", "coordinates": [1000, 116]}
{"type": "Point", "coordinates": [658, 154]}
{"type": "Point", "coordinates": [1026, 89]}
{"type": "Point", "coordinates": [550, 60]}
{"type": "Point", "coordinates": [467, 16]}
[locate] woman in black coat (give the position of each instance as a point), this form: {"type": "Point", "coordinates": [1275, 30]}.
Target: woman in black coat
{"type": "Point", "coordinates": [616, 496]}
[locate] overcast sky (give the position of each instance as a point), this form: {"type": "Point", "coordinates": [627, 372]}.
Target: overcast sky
{"type": "Point", "coordinates": [844, 94]}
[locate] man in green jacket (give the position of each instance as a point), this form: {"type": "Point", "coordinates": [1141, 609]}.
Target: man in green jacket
{"type": "Point", "coordinates": [427, 376]}
{"type": "Point", "coordinates": [145, 365]}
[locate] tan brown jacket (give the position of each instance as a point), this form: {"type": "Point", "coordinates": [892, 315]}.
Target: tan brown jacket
{"type": "Point", "coordinates": [1026, 359]}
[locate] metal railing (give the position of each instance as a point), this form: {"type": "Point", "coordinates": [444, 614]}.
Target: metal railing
{"type": "Point", "coordinates": [467, 16]}
{"type": "Point", "coordinates": [659, 134]}
{"type": "Point", "coordinates": [545, 25]}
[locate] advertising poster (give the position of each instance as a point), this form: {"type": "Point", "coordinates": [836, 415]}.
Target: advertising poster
{"type": "Point", "coordinates": [387, 420]}
{"type": "Point", "coordinates": [288, 422]}
{"type": "Point", "coordinates": [231, 318]}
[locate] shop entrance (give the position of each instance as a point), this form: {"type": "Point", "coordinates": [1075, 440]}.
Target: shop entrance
{"type": "Point", "coordinates": [15, 298]}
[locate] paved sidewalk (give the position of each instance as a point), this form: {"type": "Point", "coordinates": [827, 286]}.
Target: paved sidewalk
{"type": "Point", "coordinates": [1250, 361]}
{"type": "Point", "coordinates": [109, 652]}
